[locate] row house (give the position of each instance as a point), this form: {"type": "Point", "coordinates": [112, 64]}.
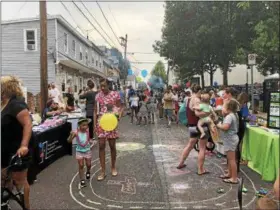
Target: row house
{"type": "Point", "coordinates": [112, 65]}
{"type": "Point", "coordinates": [72, 58]}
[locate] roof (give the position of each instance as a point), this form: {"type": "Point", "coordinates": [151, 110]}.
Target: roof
{"type": "Point", "coordinates": [63, 22]}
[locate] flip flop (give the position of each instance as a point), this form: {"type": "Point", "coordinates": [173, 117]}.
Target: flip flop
{"type": "Point", "coordinates": [228, 181]}
{"type": "Point", "coordinates": [224, 177]}
{"type": "Point", "coordinates": [101, 177]}
{"type": "Point", "coordinates": [203, 173]}
{"type": "Point", "coordinates": [182, 166]}
{"type": "Point", "coordinates": [114, 173]}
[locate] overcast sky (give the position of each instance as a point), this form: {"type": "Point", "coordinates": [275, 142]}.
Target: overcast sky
{"type": "Point", "coordinates": [142, 21]}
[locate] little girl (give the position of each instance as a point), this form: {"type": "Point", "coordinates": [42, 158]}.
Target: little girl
{"type": "Point", "coordinates": [134, 104]}
{"type": "Point", "coordinates": [151, 106]}
{"type": "Point", "coordinates": [143, 111]}
{"type": "Point", "coordinates": [230, 139]}
{"type": "Point", "coordinates": [83, 148]}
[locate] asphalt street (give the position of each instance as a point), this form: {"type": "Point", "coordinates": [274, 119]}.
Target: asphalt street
{"type": "Point", "coordinates": [148, 178]}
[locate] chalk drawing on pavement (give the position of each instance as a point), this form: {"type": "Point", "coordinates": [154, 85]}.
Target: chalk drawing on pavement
{"type": "Point", "coordinates": [130, 184]}
{"type": "Point", "coordinates": [129, 146]}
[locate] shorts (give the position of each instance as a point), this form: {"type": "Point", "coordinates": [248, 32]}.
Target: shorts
{"type": "Point", "coordinates": [195, 133]}
{"type": "Point", "coordinates": [168, 112]}
{"type": "Point", "coordinates": [230, 144]}
{"type": "Point", "coordinates": [135, 109]}
{"type": "Point", "coordinates": [83, 155]}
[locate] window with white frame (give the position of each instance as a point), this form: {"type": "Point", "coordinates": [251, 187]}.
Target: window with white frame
{"type": "Point", "coordinates": [96, 63]}
{"type": "Point", "coordinates": [81, 53]}
{"type": "Point", "coordinates": [30, 39]}
{"type": "Point", "coordinates": [66, 42]}
{"type": "Point", "coordinates": [74, 48]}
{"type": "Point", "coordinates": [92, 59]}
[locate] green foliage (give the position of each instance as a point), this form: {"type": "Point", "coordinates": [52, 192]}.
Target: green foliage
{"type": "Point", "coordinates": [159, 71]}
{"type": "Point", "coordinates": [201, 36]}
{"type": "Point", "coordinates": [139, 79]}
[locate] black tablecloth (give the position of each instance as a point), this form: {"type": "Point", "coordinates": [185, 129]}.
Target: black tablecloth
{"type": "Point", "coordinates": [47, 147]}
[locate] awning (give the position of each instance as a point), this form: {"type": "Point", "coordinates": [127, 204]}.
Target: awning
{"type": "Point", "coordinates": [82, 68]}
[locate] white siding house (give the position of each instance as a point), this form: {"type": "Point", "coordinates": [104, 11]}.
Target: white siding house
{"type": "Point", "coordinates": [72, 59]}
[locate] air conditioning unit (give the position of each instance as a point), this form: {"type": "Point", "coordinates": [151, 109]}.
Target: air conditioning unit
{"type": "Point", "coordinates": [31, 46]}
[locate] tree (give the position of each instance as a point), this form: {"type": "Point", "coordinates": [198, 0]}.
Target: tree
{"type": "Point", "coordinates": [159, 71]}
{"type": "Point", "coordinates": [201, 36]}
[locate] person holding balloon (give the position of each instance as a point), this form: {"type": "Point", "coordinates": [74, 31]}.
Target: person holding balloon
{"type": "Point", "coordinates": [106, 116]}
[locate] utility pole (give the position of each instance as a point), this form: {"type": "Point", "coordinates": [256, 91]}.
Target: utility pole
{"type": "Point", "coordinates": [43, 55]}
{"type": "Point", "coordinates": [251, 63]}
{"type": "Point", "coordinates": [124, 44]}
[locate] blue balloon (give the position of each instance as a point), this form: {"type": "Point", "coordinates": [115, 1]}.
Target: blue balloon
{"type": "Point", "coordinates": [130, 72]}
{"type": "Point", "coordinates": [144, 73]}
{"type": "Point", "coordinates": [215, 84]}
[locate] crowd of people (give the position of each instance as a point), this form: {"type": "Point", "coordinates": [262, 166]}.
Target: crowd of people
{"type": "Point", "coordinates": [203, 112]}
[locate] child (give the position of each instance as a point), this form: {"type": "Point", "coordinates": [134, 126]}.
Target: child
{"type": "Point", "coordinates": [143, 111]}
{"type": "Point", "coordinates": [230, 139]}
{"type": "Point", "coordinates": [83, 148]}
{"type": "Point", "coordinates": [265, 204]}
{"type": "Point", "coordinates": [151, 105]}
{"type": "Point", "coordinates": [134, 104]}
{"type": "Point", "coordinates": [204, 106]}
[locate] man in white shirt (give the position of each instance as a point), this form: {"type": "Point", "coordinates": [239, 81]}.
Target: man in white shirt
{"type": "Point", "coordinates": [54, 93]}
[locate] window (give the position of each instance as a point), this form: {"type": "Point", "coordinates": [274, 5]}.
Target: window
{"type": "Point", "coordinates": [81, 83]}
{"type": "Point", "coordinates": [65, 43]}
{"type": "Point", "coordinates": [92, 59]}
{"type": "Point", "coordinates": [96, 63]}
{"type": "Point", "coordinates": [100, 65]}
{"type": "Point", "coordinates": [74, 48]}
{"type": "Point", "coordinates": [86, 57]}
{"type": "Point", "coordinates": [30, 39]}
{"type": "Point", "coordinates": [63, 87]}
{"type": "Point", "coordinates": [81, 54]}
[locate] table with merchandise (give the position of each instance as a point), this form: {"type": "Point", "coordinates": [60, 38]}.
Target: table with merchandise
{"type": "Point", "coordinates": [49, 143]}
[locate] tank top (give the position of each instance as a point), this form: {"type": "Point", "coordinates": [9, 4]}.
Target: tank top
{"type": "Point", "coordinates": [83, 144]}
{"type": "Point", "coordinates": [192, 118]}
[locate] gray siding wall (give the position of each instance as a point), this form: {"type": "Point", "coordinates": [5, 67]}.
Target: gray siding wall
{"type": "Point", "coordinates": [23, 64]}
{"type": "Point", "coordinates": [80, 44]}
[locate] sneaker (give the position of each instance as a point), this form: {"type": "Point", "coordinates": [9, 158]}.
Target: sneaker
{"type": "Point", "coordinates": [83, 183]}
{"type": "Point", "coordinates": [88, 175]}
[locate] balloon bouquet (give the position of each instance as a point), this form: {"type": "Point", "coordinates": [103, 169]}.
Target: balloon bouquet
{"type": "Point", "coordinates": [156, 82]}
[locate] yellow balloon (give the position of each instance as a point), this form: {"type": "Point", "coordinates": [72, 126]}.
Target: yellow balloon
{"type": "Point", "coordinates": [108, 122]}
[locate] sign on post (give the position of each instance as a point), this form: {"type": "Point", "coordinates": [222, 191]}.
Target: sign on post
{"type": "Point", "coordinates": [252, 59]}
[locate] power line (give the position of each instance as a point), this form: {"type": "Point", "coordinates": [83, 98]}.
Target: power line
{"type": "Point", "coordinates": [108, 23]}
{"type": "Point", "coordinates": [115, 20]}
{"type": "Point", "coordinates": [91, 23]}
{"type": "Point", "coordinates": [141, 53]}
{"type": "Point", "coordinates": [97, 22]}
{"type": "Point", "coordinates": [20, 8]}
{"type": "Point", "coordinates": [72, 17]}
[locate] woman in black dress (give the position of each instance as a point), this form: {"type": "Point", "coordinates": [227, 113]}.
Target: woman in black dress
{"type": "Point", "coordinates": [16, 130]}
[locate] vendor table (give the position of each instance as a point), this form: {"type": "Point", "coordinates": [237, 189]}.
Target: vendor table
{"type": "Point", "coordinates": [261, 149]}
{"type": "Point", "coordinates": [48, 146]}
